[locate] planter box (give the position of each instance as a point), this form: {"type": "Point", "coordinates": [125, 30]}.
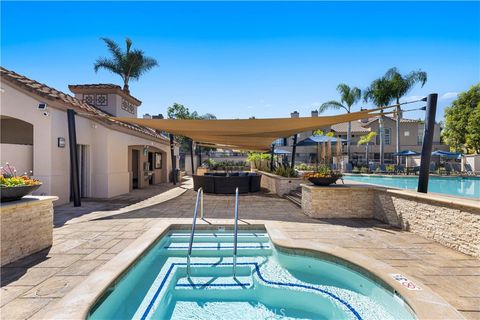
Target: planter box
{"type": "Point", "coordinates": [26, 227]}
{"type": "Point", "coordinates": [278, 184]}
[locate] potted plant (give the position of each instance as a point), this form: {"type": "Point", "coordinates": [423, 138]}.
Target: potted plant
{"type": "Point", "coordinates": [323, 176]}
{"type": "Point", "coordinates": [13, 187]}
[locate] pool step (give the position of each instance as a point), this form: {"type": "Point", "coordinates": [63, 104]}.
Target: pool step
{"type": "Point", "coordinates": [220, 283]}
{"type": "Point", "coordinates": [220, 249]}
{"type": "Point", "coordinates": [218, 237]}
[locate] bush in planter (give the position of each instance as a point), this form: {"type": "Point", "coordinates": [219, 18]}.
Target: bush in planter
{"type": "Point", "coordinates": [323, 176]}
{"type": "Point", "coordinates": [356, 170]}
{"type": "Point", "coordinates": [304, 167]}
{"type": "Point", "coordinates": [364, 170]}
{"type": "Point", "coordinates": [13, 187]}
{"type": "Point", "coordinates": [286, 171]}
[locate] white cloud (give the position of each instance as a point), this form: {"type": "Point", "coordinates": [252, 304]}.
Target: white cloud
{"type": "Point", "coordinates": [449, 95]}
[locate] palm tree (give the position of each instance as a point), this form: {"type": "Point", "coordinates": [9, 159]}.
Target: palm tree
{"type": "Point", "coordinates": [348, 97]}
{"type": "Point", "coordinates": [128, 64]}
{"type": "Point", "coordinates": [380, 93]}
{"type": "Point", "coordinates": [366, 139]}
{"type": "Point", "coordinates": [401, 84]}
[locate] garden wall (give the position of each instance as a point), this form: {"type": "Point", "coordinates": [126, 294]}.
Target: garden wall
{"type": "Point", "coordinates": [451, 221]}
{"type": "Point", "coordinates": [26, 227]}
{"type": "Point", "coordinates": [278, 184]}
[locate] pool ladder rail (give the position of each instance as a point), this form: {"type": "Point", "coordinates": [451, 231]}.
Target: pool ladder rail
{"type": "Point", "coordinates": [194, 223]}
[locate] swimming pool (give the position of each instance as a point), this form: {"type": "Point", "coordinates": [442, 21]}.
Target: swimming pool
{"type": "Point", "coordinates": [270, 283]}
{"type": "Point", "coordinates": [455, 186]}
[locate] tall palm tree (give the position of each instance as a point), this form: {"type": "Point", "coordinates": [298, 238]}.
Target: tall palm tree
{"type": "Point", "coordinates": [380, 93]}
{"type": "Point", "coordinates": [401, 84]}
{"type": "Point", "coordinates": [128, 64]}
{"type": "Point", "coordinates": [348, 97]}
{"type": "Point", "coordinates": [366, 139]}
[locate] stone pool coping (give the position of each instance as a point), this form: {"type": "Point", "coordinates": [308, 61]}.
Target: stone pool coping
{"type": "Point", "coordinates": [425, 303]}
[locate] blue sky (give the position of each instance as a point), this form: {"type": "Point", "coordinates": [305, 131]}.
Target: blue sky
{"type": "Point", "coordinates": [241, 59]}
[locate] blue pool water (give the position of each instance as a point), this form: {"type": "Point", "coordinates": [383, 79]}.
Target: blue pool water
{"type": "Point", "coordinates": [269, 284]}
{"type": "Point", "coordinates": [455, 186]}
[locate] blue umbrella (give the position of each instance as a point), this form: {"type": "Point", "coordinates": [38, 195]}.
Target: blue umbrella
{"type": "Point", "coordinates": [406, 153]}
{"type": "Point", "coordinates": [446, 154]}
{"type": "Point", "coordinates": [280, 151]}
{"type": "Point", "coordinates": [314, 140]}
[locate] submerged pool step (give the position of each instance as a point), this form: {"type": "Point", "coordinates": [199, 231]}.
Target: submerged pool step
{"type": "Point", "coordinates": [223, 249]}
{"type": "Point", "coordinates": [219, 237]}
{"type": "Point", "coordinates": [217, 283]}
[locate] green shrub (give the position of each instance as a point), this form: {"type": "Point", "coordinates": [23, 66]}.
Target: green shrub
{"type": "Point", "coordinates": [286, 171]}
{"type": "Point", "coordinates": [364, 170]}
{"type": "Point", "coordinates": [356, 170]}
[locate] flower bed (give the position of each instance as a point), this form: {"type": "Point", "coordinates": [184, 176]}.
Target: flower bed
{"type": "Point", "coordinates": [13, 187]}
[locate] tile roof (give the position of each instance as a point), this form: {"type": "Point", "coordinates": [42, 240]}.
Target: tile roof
{"type": "Point", "coordinates": [357, 126]}
{"type": "Point", "coordinates": [68, 101]}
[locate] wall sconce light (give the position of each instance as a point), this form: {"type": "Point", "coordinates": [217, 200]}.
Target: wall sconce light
{"type": "Point", "coordinates": [61, 142]}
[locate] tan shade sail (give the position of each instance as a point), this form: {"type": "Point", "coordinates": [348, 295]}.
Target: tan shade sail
{"type": "Point", "coordinates": [246, 134]}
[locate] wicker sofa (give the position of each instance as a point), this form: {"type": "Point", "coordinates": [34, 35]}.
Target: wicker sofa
{"type": "Point", "coordinates": [226, 183]}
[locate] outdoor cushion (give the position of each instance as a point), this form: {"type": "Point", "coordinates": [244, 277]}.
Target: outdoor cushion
{"type": "Point", "coordinates": [207, 183]}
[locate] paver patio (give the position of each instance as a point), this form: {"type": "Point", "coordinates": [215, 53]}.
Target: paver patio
{"type": "Point", "coordinates": [87, 237]}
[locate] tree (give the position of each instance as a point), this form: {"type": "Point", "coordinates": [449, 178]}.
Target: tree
{"type": "Point", "coordinates": [380, 93]}
{"type": "Point", "coordinates": [365, 140]}
{"type": "Point", "coordinates": [462, 122]}
{"type": "Point", "coordinates": [179, 111]}
{"type": "Point", "coordinates": [348, 97]}
{"type": "Point", "coordinates": [401, 85]}
{"type": "Point", "coordinates": [128, 64]}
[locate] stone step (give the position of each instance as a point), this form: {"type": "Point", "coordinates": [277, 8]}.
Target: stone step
{"type": "Point", "coordinates": [219, 283]}
{"type": "Point", "coordinates": [295, 200]}
{"type": "Point", "coordinates": [220, 249]}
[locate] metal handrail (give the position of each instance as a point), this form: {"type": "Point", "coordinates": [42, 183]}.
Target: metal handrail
{"type": "Point", "coordinates": [235, 235]}
{"type": "Point", "coordinates": [199, 197]}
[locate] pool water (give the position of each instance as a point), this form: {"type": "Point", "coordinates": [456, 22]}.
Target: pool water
{"type": "Point", "coordinates": [455, 186]}
{"type": "Point", "coordinates": [269, 284]}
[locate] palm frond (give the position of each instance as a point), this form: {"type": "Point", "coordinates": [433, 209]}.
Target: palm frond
{"type": "Point", "coordinates": [366, 138]}
{"type": "Point", "coordinates": [113, 48]}
{"type": "Point", "coordinates": [107, 64]}
{"type": "Point", "coordinates": [331, 105]}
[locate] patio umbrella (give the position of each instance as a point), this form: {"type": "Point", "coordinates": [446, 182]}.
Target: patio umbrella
{"type": "Point", "coordinates": [280, 151]}
{"type": "Point", "coordinates": [406, 153]}
{"type": "Point", "coordinates": [447, 154]}
{"type": "Point", "coordinates": [314, 140]}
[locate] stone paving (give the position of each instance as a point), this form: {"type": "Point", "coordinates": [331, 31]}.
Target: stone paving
{"type": "Point", "coordinates": [87, 237]}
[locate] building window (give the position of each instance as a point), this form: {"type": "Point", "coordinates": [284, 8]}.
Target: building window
{"type": "Point", "coordinates": [420, 136]}
{"type": "Point", "coordinates": [406, 133]}
{"type": "Point", "coordinates": [388, 136]}
{"type": "Point", "coordinates": [279, 142]}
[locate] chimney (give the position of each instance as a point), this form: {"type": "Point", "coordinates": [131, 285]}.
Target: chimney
{"type": "Point", "coordinates": [315, 113]}
{"type": "Point", "coordinates": [365, 120]}
{"type": "Point", "coordinates": [158, 116]}
{"type": "Point", "coordinates": [294, 114]}
{"type": "Point", "coordinates": [147, 116]}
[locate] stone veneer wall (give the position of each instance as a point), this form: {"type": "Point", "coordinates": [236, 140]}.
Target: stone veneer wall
{"type": "Point", "coordinates": [26, 227]}
{"type": "Point", "coordinates": [337, 201]}
{"type": "Point", "coordinates": [279, 185]}
{"type": "Point", "coordinates": [450, 223]}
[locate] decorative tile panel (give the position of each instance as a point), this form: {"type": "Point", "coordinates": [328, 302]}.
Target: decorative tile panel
{"type": "Point", "coordinates": [102, 100]}
{"type": "Point", "coordinates": [89, 98]}
{"type": "Point", "coordinates": [127, 106]}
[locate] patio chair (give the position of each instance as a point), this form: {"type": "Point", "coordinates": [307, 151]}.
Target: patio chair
{"type": "Point", "coordinates": [383, 169]}
{"type": "Point", "coordinates": [349, 167]}
{"type": "Point", "coordinates": [469, 170]}
{"type": "Point", "coordinates": [400, 169]}
{"type": "Point", "coordinates": [371, 167]}
{"type": "Point", "coordinates": [448, 168]}
{"type": "Point", "coordinates": [433, 167]}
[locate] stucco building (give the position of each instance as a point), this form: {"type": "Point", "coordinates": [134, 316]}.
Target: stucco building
{"type": "Point", "coordinates": [411, 138]}
{"type": "Point", "coordinates": [114, 157]}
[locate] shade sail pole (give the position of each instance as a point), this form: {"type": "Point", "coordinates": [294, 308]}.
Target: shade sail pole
{"type": "Point", "coordinates": [74, 170]}
{"type": "Point", "coordinates": [271, 158]}
{"type": "Point", "coordinates": [191, 156]}
{"type": "Point", "coordinates": [172, 154]}
{"type": "Point", "coordinates": [294, 150]}
{"type": "Point", "coordinates": [427, 143]}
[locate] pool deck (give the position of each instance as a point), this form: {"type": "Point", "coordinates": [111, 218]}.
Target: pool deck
{"type": "Point", "coordinates": [86, 238]}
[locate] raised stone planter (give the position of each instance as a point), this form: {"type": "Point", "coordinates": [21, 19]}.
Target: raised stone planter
{"type": "Point", "coordinates": [26, 227]}
{"type": "Point", "coordinates": [337, 201]}
{"type": "Point", "coordinates": [278, 184]}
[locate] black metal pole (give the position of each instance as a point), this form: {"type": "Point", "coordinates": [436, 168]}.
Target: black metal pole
{"type": "Point", "coordinates": [200, 155]}
{"type": "Point", "coordinates": [271, 158]}
{"type": "Point", "coordinates": [191, 156]}
{"type": "Point", "coordinates": [294, 150]}
{"type": "Point", "coordinates": [172, 154]}
{"type": "Point", "coordinates": [75, 176]}
{"type": "Point", "coordinates": [427, 142]}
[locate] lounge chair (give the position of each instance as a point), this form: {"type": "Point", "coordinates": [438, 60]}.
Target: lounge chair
{"type": "Point", "coordinates": [456, 168]}
{"type": "Point", "coordinates": [469, 170]}
{"type": "Point", "coordinates": [433, 167]}
{"type": "Point", "coordinates": [371, 167]}
{"type": "Point", "coordinates": [448, 168]}
{"type": "Point", "coordinates": [400, 169]}
{"type": "Point", "coordinates": [349, 167]}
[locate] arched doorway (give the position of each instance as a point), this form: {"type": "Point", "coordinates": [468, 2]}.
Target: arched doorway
{"type": "Point", "coordinates": [16, 144]}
